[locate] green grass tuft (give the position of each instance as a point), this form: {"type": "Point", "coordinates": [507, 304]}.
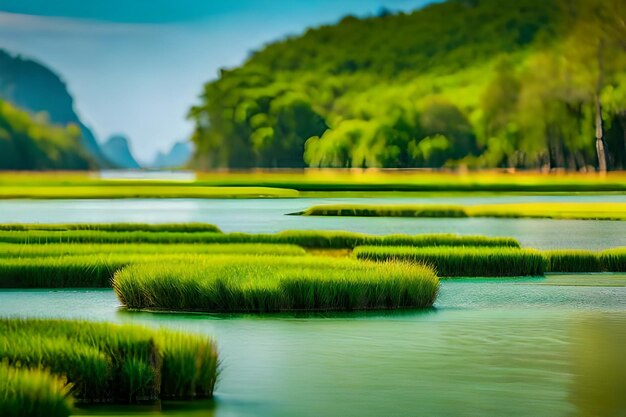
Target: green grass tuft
{"type": "Point", "coordinates": [271, 284]}
{"type": "Point", "coordinates": [462, 262]}
{"type": "Point", "coordinates": [32, 393]}
{"type": "Point", "coordinates": [111, 363]}
{"type": "Point", "coordinates": [113, 227]}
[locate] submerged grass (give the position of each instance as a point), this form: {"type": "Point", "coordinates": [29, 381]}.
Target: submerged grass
{"type": "Point", "coordinates": [461, 262]}
{"type": "Point", "coordinates": [113, 227]}
{"type": "Point", "coordinates": [11, 250]}
{"type": "Point", "coordinates": [573, 211]}
{"type": "Point", "coordinates": [271, 284]}
{"type": "Point", "coordinates": [103, 362]}
{"type": "Point", "coordinates": [303, 238]}
{"type": "Point", "coordinates": [32, 393]}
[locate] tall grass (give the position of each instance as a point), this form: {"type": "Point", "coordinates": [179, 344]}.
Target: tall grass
{"type": "Point", "coordinates": [304, 238]}
{"type": "Point", "coordinates": [32, 393]}
{"type": "Point", "coordinates": [9, 250]}
{"type": "Point", "coordinates": [113, 227]}
{"type": "Point", "coordinates": [111, 363]}
{"type": "Point", "coordinates": [91, 270]}
{"type": "Point", "coordinates": [613, 260]}
{"type": "Point", "coordinates": [269, 284]}
{"type": "Point", "coordinates": [462, 262]}
{"type": "Point", "coordinates": [580, 211]}
{"type": "Point", "coordinates": [574, 260]}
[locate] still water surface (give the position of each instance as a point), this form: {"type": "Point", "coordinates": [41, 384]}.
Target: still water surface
{"type": "Point", "coordinates": [490, 347]}
{"type": "Point", "coordinates": [268, 216]}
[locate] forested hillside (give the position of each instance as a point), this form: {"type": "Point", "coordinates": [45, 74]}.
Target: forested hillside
{"type": "Point", "coordinates": [481, 83]}
{"type": "Point", "coordinates": [35, 88]}
{"type": "Point", "coordinates": [31, 142]}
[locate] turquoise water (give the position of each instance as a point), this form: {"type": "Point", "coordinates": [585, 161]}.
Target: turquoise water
{"type": "Point", "coordinates": [266, 216]}
{"type": "Point", "coordinates": [490, 347]}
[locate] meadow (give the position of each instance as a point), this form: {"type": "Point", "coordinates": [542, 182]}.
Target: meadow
{"type": "Point", "coordinates": [100, 362]}
{"type": "Point", "coordinates": [304, 183]}
{"type": "Point", "coordinates": [571, 211]}
{"type": "Point", "coordinates": [275, 284]}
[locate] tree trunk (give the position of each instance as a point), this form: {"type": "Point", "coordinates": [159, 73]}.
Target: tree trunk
{"type": "Point", "coordinates": [599, 128]}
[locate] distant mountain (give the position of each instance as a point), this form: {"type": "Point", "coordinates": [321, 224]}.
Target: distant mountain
{"type": "Point", "coordinates": [117, 150]}
{"type": "Point", "coordinates": [178, 156]}
{"type": "Point", "coordinates": [30, 142]}
{"type": "Point", "coordinates": [35, 88]}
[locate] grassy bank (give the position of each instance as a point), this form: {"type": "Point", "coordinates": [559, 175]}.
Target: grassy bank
{"type": "Point", "coordinates": [10, 250]}
{"type": "Point", "coordinates": [110, 363]}
{"type": "Point", "coordinates": [303, 238]}
{"type": "Point", "coordinates": [270, 284]}
{"type": "Point", "coordinates": [112, 227]}
{"type": "Point", "coordinates": [57, 185]}
{"type": "Point", "coordinates": [466, 261]}
{"type": "Point", "coordinates": [580, 211]}
{"type": "Point", "coordinates": [142, 190]}
{"type": "Point", "coordinates": [32, 393]}
{"type": "Point", "coordinates": [480, 262]}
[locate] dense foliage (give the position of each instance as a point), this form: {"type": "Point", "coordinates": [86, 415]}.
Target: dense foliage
{"type": "Point", "coordinates": [465, 82]}
{"type": "Point", "coordinates": [31, 142]}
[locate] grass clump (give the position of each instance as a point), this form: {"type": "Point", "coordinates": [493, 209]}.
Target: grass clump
{"type": "Point", "coordinates": [572, 260]}
{"type": "Point", "coordinates": [572, 211]}
{"type": "Point", "coordinates": [32, 393]}
{"type": "Point", "coordinates": [462, 262]}
{"type": "Point", "coordinates": [613, 260]}
{"type": "Point", "coordinates": [102, 362]}
{"type": "Point", "coordinates": [303, 238]}
{"type": "Point", "coordinates": [272, 284]}
{"type": "Point", "coordinates": [113, 227]}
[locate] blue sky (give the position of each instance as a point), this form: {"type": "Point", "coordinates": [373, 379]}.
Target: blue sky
{"type": "Point", "coordinates": [135, 66]}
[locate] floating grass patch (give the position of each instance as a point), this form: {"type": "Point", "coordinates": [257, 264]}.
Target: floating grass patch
{"type": "Point", "coordinates": [113, 227]}
{"type": "Point", "coordinates": [271, 284]}
{"type": "Point", "coordinates": [10, 250]}
{"type": "Point", "coordinates": [32, 393]}
{"type": "Point", "coordinates": [110, 363]}
{"type": "Point", "coordinates": [462, 262]}
{"type": "Point", "coordinates": [304, 238]}
{"type": "Point", "coordinates": [571, 260]}
{"type": "Point", "coordinates": [95, 271]}
{"type": "Point", "coordinates": [613, 260]}
{"type": "Point", "coordinates": [573, 211]}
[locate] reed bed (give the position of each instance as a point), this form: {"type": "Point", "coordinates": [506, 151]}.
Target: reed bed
{"type": "Point", "coordinates": [273, 284]}
{"type": "Point", "coordinates": [571, 211]}
{"type": "Point", "coordinates": [613, 260]}
{"type": "Point", "coordinates": [103, 362]}
{"type": "Point", "coordinates": [113, 227]}
{"type": "Point", "coordinates": [573, 260]}
{"type": "Point", "coordinates": [32, 393]}
{"type": "Point", "coordinates": [303, 238]}
{"type": "Point", "coordinates": [10, 250]}
{"type": "Point", "coordinates": [462, 262]}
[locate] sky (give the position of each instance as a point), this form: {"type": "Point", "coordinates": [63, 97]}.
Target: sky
{"type": "Point", "coordinates": [136, 66]}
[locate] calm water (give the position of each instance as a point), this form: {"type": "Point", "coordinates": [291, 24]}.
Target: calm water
{"type": "Point", "coordinates": [257, 216]}
{"type": "Point", "coordinates": [527, 347]}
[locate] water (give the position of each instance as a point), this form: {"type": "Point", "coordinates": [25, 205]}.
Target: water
{"type": "Point", "coordinates": [268, 216]}
{"type": "Point", "coordinates": [490, 347]}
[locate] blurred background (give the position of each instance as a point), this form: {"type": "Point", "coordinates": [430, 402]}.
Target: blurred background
{"type": "Point", "coordinates": [530, 84]}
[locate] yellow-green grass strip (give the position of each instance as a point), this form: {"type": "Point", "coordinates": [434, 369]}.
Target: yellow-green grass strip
{"type": "Point", "coordinates": [304, 238]}
{"type": "Point", "coordinates": [571, 211]}
{"type": "Point", "coordinates": [113, 227]}
{"type": "Point", "coordinates": [142, 191]}
{"type": "Point", "coordinates": [32, 393]}
{"type": "Point", "coordinates": [613, 260]}
{"type": "Point", "coordinates": [26, 250]}
{"type": "Point", "coordinates": [575, 260]}
{"type": "Point", "coordinates": [274, 284]}
{"type": "Point", "coordinates": [111, 363]}
{"type": "Point", "coordinates": [462, 261]}
{"type": "Point", "coordinates": [87, 270]}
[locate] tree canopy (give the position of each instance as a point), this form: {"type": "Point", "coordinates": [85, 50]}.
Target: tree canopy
{"type": "Point", "coordinates": [464, 82]}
